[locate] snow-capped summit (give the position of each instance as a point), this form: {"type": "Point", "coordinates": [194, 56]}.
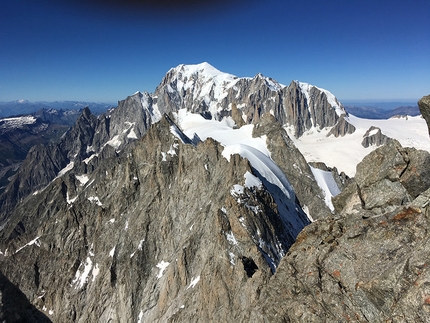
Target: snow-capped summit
{"type": "Point", "coordinates": [204, 89]}
{"type": "Point", "coordinates": [204, 70]}
{"type": "Point", "coordinates": [195, 86]}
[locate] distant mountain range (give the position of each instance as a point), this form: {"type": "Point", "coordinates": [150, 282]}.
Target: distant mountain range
{"type": "Point", "coordinates": [382, 110]}
{"type": "Point", "coordinates": [373, 112]}
{"type": "Point", "coordinates": [20, 107]}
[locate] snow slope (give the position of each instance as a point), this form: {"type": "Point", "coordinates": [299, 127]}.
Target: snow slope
{"type": "Point", "coordinates": [327, 183]}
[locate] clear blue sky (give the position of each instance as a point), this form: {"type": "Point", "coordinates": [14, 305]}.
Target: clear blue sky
{"type": "Point", "coordinates": [71, 50]}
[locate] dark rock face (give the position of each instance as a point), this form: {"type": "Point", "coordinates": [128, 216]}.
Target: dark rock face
{"type": "Point", "coordinates": [341, 128]}
{"type": "Point", "coordinates": [424, 105]}
{"type": "Point", "coordinates": [374, 136]}
{"type": "Point", "coordinates": [415, 178]}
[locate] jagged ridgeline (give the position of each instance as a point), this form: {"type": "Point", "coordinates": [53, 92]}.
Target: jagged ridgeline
{"type": "Point", "coordinates": [185, 206]}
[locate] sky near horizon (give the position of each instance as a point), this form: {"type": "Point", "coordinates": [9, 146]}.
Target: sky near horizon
{"type": "Point", "coordinates": [103, 51]}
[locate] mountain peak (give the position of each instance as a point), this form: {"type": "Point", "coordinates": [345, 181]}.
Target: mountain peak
{"type": "Point", "coordinates": [203, 69]}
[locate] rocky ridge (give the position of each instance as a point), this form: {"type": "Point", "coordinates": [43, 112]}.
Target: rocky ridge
{"type": "Point", "coordinates": [132, 237]}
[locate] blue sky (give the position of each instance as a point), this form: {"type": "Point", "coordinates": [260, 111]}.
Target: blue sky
{"type": "Point", "coordinates": [72, 50]}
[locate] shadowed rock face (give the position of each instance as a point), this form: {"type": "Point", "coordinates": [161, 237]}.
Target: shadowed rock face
{"type": "Point", "coordinates": [424, 105]}
{"type": "Point", "coordinates": [14, 305]}
{"type": "Point", "coordinates": [293, 164]}
{"type": "Point", "coordinates": [341, 128]}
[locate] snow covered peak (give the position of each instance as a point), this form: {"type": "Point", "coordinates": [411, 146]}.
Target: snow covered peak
{"type": "Point", "coordinates": [331, 99]}
{"type": "Point", "coordinates": [203, 71]}
{"type": "Point", "coordinates": [195, 86]}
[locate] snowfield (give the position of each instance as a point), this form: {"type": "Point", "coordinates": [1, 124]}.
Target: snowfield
{"type": "Point", "coordinates": [346, 152]}
{"type": "Point", "coordinates": [16, 122]}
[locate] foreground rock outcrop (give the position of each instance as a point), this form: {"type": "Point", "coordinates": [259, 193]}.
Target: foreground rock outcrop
{"type": "Point", "coordinates": [387, 177]}
{"type": "Point", "coordinates": [424, 105]}
{"type": "Point", "coordinates": [350, 269]}
{"type": "Point", "coordinates": [371, 262]}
